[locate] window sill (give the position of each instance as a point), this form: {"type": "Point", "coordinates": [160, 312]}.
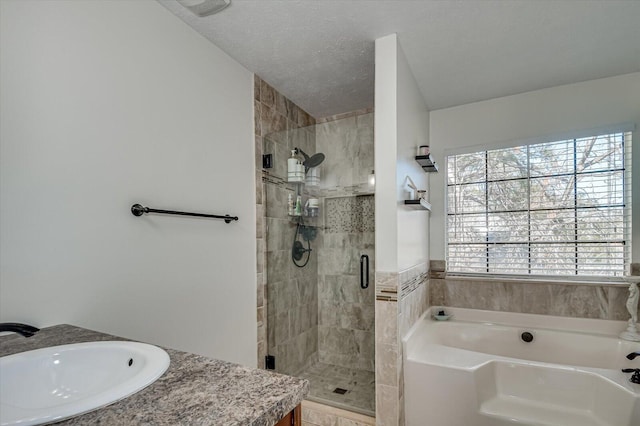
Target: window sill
{"type": "Point", "coordinates": [611, 282]}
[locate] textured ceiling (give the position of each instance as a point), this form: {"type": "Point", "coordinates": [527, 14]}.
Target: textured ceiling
{"type": "Point", "coordinates": [320, 53]}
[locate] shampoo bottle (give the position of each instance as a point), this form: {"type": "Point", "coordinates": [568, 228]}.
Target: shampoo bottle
{"type": "Point", "coordinates": [292, 167]}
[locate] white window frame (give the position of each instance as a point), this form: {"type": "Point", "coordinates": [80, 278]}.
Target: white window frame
{"type": "Point", "coordinates": [626, 130]}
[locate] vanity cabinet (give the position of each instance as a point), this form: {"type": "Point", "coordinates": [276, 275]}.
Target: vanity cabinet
{"type": "Point", "coordinates": [293, 418]}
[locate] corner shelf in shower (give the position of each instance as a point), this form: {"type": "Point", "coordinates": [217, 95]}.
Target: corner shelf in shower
{"type": "Point", "coordinates": [418, 204]}
{"type": "Point", "coordinates": [427, 164]}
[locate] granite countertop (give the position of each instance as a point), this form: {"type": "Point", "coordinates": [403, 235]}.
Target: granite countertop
{"type": "Point", "coordinates": [195, 390]}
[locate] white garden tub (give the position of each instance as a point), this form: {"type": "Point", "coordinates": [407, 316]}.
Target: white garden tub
{"type": "Point", "coordinates": [475, 370]}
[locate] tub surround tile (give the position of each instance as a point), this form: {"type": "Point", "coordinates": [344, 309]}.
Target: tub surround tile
{"type": "Point", "coordinates": [438, 269]}
{"type": "Point", "coordinates": [194, 390]}
{"type": "Point", "coordinates": [387, 404]}
{"type": "Point", "coordinates": [574, 301]}
{"type": "Point", "coordinates": [599, 301]}
{"type": "Point", "coordinates": [412, 307]}
{"type": "Point", "coordinates": [386, 286]}
{"type": "Point", "coordinates": [386, 361]}
{"type": "Point", "coordinates": [386, 322]}
{"type": "Point", "coordinates": [394, 317]}
{"type": "Point", "coordinates": [387, 366]}
{"type": "Point", "coordinates": [635, 269]}
{"type": "Point", "coordinates": [617, 309]}
{"type": "Point", "coordinates": [411, 284]}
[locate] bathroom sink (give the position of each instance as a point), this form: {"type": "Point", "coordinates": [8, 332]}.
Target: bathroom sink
{"type": "Point", "coordinates": [55, 383]}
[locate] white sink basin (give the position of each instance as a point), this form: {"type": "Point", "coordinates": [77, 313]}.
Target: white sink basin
{"type": "Point", "coordinates": [50, 384]}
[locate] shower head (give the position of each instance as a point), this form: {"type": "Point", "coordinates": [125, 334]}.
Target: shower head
{"type": "Point", "coordinates": [309, 162]}
{"type": "Point", "coordinates": [314, 161]}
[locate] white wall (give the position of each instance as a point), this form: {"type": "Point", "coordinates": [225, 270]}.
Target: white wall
{"type": "Point", "coordinates": [545, 114]}
{"type": "Point", "coordinates": [385, 152]}
{"type": "Point", "coordinates": [401, 125]}
{"type": "Point", "coordinates": [105, 104]}
{"type": "Point", "coordinates": [413, 131]}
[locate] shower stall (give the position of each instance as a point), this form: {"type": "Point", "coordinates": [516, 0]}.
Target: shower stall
{"type": "Point", "coordinates": [320, 259]}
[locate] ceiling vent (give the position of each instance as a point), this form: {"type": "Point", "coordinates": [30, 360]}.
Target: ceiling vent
{"type": "Point", "coordinates": [205, 7]}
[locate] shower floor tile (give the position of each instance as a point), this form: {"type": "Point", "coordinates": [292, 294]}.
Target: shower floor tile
{"type": "Point", "coordinates": [359, 385]}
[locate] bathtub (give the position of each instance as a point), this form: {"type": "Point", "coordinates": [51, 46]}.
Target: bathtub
{"type": "Point", "coordinates": [476, 370]}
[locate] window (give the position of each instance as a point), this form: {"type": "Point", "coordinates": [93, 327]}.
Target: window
{"type": "Point", "coordinates": [557, 208]}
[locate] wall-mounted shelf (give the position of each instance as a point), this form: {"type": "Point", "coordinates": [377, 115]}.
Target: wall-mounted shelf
{"type": "Point", "coordinates": [418, 204]}
{"type": "Point", "coordinates": [427, 163]}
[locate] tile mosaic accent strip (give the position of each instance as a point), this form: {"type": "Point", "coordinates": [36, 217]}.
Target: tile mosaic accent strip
{"type": "Point", "coordinates": [412, 278]}
{"type": "Point", "coordinates": [387, 286]}
{"type": "Point", "coordinates": [408, 287]}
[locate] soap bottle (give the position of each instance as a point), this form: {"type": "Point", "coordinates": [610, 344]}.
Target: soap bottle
{"type": "Point", "coordinates": [290, 206]}
{"type": "Point", "coordinates": [292, 167]}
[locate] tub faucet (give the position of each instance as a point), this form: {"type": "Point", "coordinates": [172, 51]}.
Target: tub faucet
{"type": "Point", "coordinates": [22, 329]}
{"type": "Point", "coordinates": [632, 355]}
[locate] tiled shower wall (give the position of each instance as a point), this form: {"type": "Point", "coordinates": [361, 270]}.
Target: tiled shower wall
{"type": "Point", "coordinates": [346, 311]}
{"type": "Point", "coordinates": [600, 301]}
{"type": "Point", "coordinates": [347, 142]}
{"type": "Point", "coordinates": [346, 321]}
{"type": "Point", "coordinates": [287, 295]}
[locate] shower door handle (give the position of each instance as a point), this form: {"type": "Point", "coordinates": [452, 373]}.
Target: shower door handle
{"type": "Point", "coordinates": [364, 271]}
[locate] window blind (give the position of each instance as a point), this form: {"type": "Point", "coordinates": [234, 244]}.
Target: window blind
{"type": "Point", "coordinates": [558, 208]}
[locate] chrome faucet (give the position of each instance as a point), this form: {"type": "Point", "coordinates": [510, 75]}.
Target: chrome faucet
{"type": "Point", "coordinates": [22, 329]}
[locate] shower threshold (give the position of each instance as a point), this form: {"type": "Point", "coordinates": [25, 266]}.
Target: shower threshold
{"type": "Point", "coordinates": [341, 387]}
